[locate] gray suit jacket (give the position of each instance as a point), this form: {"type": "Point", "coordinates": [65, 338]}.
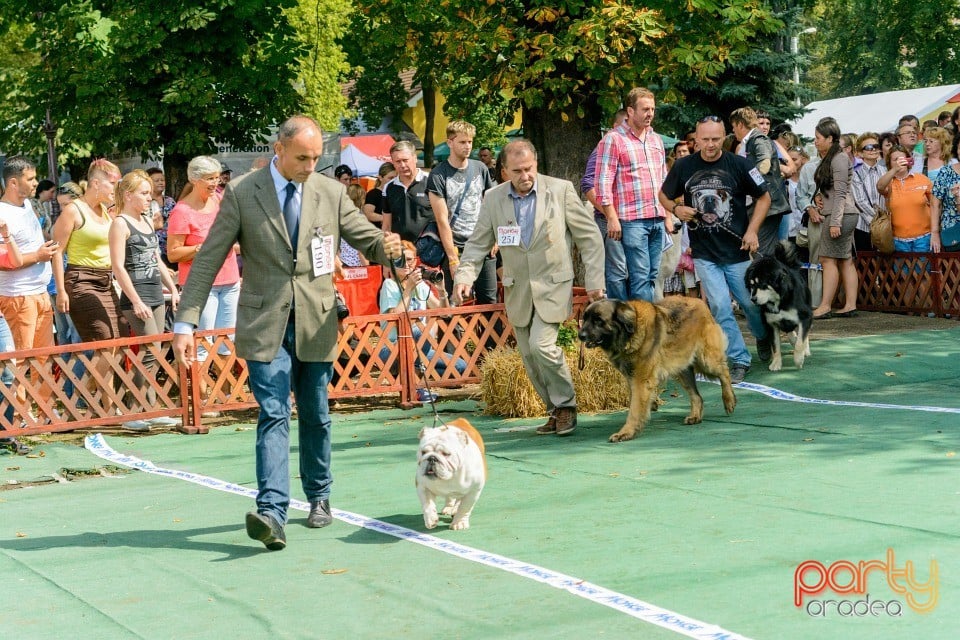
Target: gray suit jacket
{"type": "Point", "coordinates": [250, 214]}
{"type": "Point", "coordinates": [539, 276]}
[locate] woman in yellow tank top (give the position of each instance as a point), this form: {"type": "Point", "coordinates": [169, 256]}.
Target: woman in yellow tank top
{"type": "Point", "coordinates": [85, 287]}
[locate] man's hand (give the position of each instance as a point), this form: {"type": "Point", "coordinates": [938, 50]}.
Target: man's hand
{"type": "Point", "coordinates": [182, 351]}
{"type": "Point", "coordinates": [460, 291]}
{"type": "Point", "coordinates": [595, 294]}
{"type": "Point", "coordinates": [684, 213]}
{"type": "Point", "coordinates": [46, 251]}
{"type": "Point", "coordinates": [614, 231]}
{"type": "Point", "coordinates": [815, 216]}
{"type": "Point", "coordinates": [750, 241]}
{"type": "Point", "coordinates": [392, 245]}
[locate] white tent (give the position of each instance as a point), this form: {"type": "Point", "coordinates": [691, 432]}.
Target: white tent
{"type": "Point", "coordinates": [879, 111]}
{"type": "Point", "coordinates": [359, 162]}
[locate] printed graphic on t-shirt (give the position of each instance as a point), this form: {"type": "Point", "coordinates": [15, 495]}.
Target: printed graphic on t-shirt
{"type": "Point", "coordinates": [710, 195]}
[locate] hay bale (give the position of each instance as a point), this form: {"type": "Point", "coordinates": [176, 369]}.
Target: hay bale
{"type": "Point", "coordinates": [506, 390]}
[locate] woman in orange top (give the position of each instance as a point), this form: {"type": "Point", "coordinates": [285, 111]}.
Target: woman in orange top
{"type": "Point", "coordinates": [908, 199]}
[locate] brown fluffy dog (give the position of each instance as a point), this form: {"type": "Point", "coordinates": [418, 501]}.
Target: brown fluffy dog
{"type": "Point", "coordinates": [648, 343]}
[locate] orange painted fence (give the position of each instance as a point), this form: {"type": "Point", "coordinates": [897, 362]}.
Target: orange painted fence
{"type": "Point", "coordinates": [59, 388]}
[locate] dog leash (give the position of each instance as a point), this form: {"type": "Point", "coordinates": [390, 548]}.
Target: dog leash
{"type": "Point", "coordinates": [431, 397]}
{"type": "Point", "coordinates": [694, 227]}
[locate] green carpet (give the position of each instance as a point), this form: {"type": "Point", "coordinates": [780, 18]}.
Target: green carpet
{"type": "Point", "coordinates": [708, 521]}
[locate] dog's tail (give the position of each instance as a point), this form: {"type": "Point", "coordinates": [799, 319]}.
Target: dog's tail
{"type": "Point", "coordinates": [786, 252]}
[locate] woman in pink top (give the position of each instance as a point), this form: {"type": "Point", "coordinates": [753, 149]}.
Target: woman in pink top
{"type": "Point", "coordinates": [189, 224]}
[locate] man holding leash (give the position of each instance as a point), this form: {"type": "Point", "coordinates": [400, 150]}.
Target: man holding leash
{"type": "Point", "coordinates": [288, 221]}
{"type": "Point", "coordinates": [714, 185]}
{"type": "Point", "coordinates": [532, 218]}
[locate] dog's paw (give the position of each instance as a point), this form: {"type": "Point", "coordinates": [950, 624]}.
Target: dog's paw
{"type": "Point", "coordinates": [461, 524]}
{"type": "Point", "coordinates": [693, 420]}
{"type": "Point", "coordinates": [776, 365]}
{"type": "Point", "coordinates": [430, 523]}
{"type": "Point", "coordinates": [620, 436]}
{"type": "Point", "coordinates": [451, 508]}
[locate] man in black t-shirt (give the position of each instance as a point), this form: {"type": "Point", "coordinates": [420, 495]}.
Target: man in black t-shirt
{"type": "Point", "coordinates": [714, 186]}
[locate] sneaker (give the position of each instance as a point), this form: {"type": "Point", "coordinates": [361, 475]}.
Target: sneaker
{"type": "Point", "coordinates": [14, 446]}
{"type": "Point", "coordinates": [550, 427]}
{"type": "Point", "coordinates": [738, 372]}
{"type": "Point", "coordinates": [136, 425]}
{"type": "Point", "coordinates": [163, 421]}
{"type": "Point", "coordinates": [566, 420]}
{"type": "Point", "coordinates": [765, 348]}
{"type": "Point", "coordinates": [426, 396]}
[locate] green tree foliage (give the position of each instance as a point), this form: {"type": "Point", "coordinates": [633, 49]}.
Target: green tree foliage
{"type": "Point", "coordinates": [125, 76]}
{"type": "Point", "coordinates": [318, 24]}
{"type": "Point", "coordinates": [567, 63]}
{"type": "Point", "coordinates": [871, 46]}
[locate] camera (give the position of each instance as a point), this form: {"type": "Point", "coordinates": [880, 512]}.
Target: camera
{"type": "Point", "coordinates": [431, 275]}
{"type": "Point", "coordinates": [909, 162]}
{"type": "Point", "coordinates": [342, 309]}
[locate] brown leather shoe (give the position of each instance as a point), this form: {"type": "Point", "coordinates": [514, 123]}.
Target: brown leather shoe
{"type": "Point", "coordinates": [566, 420]}
{"type": "Point", "coordinates": [549, 428]}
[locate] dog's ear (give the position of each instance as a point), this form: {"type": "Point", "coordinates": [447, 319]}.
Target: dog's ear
{"type": "Point", "coordinates": [420, 435]}
{"type": "Point", "coordinates": [463, 437]}
{"type": "Point", "coordinates": [626, 317]}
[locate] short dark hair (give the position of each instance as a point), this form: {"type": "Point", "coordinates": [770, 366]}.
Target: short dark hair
{"type": "Point", "coordinates": [343, 169]}
{"type": "Point", "coordinates": [44, 185]}
{"type": "Point", "coordinates": [152, 171]}
{"type": "Point", "coordinates": [15, 166]}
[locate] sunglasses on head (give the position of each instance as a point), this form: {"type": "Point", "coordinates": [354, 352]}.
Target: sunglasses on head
{"type": "Point", "coordinates": [709, 119]}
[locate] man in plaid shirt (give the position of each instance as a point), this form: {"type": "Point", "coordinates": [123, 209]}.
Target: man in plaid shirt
{"type": "Point", "coordinates": [631, 165]}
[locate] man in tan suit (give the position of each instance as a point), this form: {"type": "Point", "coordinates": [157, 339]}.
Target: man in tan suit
{"type": "Point", "coordinates": [288, 221]}
{"type": "Point", "coordinates": [533, 219]}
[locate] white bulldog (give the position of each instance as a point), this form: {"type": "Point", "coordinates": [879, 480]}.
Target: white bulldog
{"type": "Point", "coordinates": [450, 466]}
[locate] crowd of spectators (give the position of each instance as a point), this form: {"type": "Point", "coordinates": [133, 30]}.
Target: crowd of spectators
{"type": "Point", "coordinates": [88, 261]}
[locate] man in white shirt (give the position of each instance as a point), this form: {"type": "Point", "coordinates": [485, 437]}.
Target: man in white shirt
{"type": "Point", "coordinates": [24, 301]}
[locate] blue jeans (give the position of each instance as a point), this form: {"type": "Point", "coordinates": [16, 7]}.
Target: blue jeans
{"type": "Point", "coordinates": [614, 265]}
{"type": "Point", "coordinates": [271, 383]}
{"type": "Point", "coordinates": [6, 377]}
{"type": "Point", "coordinates": [916, 245]}
{"type": "Point", "coordinates": [220, 312]}
{"type": "Point", "coordinates": [719, 282]}
{"type": "Point", "coordinates": [67, 334]}
{"type": "Point", "coordinates": [642, 246]}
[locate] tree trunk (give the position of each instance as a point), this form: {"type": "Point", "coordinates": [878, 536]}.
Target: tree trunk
{"type": "Point", "coordinates": [175, 172]}
{"type": "Point", "coordinates": [562, 146]}
{"type": "Point", "coordinates": [429, 115]}
{"type": "Point", "coordinates": [562, 150]}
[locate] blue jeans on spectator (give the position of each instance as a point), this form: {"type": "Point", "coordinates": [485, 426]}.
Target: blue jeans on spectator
{"type": "Point", "coordinates": [719, 282]}
{"type": "Point", "coordinates": [67, 334]}
{"type": "Point", "coordinates": [220, 312]}
{"type": "Point", "coordinates": [6, 377]}
{"type": "Point", "coordinates": [614, 265]}
{"type": "Point", "coordinates": [642, 246]}
{"type": "Point", "coordinates": [271, 383]}
{"type": "Point", "coordinates": [916, 245]}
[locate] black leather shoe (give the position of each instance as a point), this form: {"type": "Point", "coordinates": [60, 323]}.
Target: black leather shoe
{"type": "Point", "coordinates": [264, 528]}
{"type": "Point", "coordinates": [319, 514]}
{"type": "Point", "coordinates": [765, 347]}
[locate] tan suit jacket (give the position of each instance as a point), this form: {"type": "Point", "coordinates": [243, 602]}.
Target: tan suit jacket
{"type": "Point", "coordinates": [539, 276]}
{"type": "Point", "coordinates": [250, 214]}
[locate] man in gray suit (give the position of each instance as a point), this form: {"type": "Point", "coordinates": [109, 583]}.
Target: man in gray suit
{"type": "Point", "coordinates": [533, 218]}
{"type": "Point", "coordinates": [288, 221]}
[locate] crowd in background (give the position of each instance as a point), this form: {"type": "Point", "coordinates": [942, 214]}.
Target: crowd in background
{"type": "Point", "coordinates": [102, 258]}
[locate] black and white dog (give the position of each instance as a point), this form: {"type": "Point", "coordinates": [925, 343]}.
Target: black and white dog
{"type": "Point", "coordinates": [778, 288]}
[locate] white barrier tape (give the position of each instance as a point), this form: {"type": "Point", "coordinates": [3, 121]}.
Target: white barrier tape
{"type": "Point", "coordinates": [814, 267]}
{"type": "Point", "coordinates": [777, 394]}
{"type": "Point", "coordinates": [639, 609]}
